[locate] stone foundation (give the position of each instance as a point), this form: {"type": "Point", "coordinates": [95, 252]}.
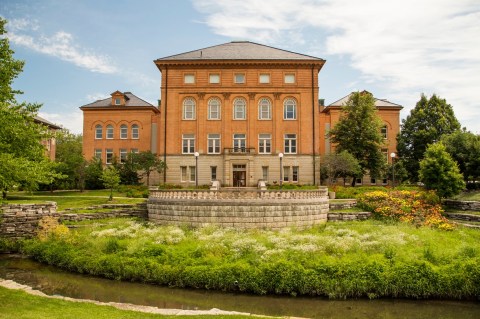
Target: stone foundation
{"type": "Point", "coordinates": [335, 217]}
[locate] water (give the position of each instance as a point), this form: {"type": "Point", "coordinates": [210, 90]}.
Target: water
{"type": "Point", "coordinates": [54, 281]}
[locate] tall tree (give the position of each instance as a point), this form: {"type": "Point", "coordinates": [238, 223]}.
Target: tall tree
{"type": "Point", "coordinates": [464, 147]}
{"type": "Point", "coordinates": [147, 163]}
{"type": "Point", "coordinates": [10, 68]}
{"type": "Point", "coordinates": [358, 132]}
{"type": "Point", "coordinates": [340, 165]}
{"type": "Point", "coordinates": [426, 124]}
{"type": "Point", "coordinates": [69, 155]}
{"type": "Point", "coordinates": [111, 179]}
{"type": "Point", "coordinates": [440, 172]}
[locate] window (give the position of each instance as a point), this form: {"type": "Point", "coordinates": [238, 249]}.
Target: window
{"type": "Point", "coordinates": [239, 142]}
{"type": "Point", "coordinates": [286, 173]}
{"type": "Point", "coordinates": [123, 131]}
{"type": "Point", "coordinates": [98, 132]}
{"type": "Point", "coordinates": [183, 172]}
{"type": "Point", "coordinates": [117, 101]}
{"type": "Point", "coordinates": [383, 131]}
{"type": "Point", "coordinates": [239, 78]}
{"type": "Point", "coordinates": [264, 143]}
{"type": "Point", "coordinates": [289, 109]}
{"type": "Point", "coordinates": [189, 109]}
{"type": "Point", "coordinates": [294, 173]}
{"type": "Point", "coordinates": [109, 132]}
{"type": "Point", "coordinates": [265, 173]}
{"type": "Point", "coordinates": [264, 109]}
{"type": "Point", "coordinates": [192, 174]}
{"type": "Point", "coordinates": [134, 150]}
{"type": "Point", "coordinates": [108, 156]}
{"type": "Point", "coordinates": [188, 143]}
{"type": "Point", "coordinates": [290, 143]}
{"type": "Point", "coordinates": [213, 173]}
{"type": "Point", "coordinates": [373, 181]}
{"type": "Point", "coordinates": [289, 78]}
{"type": "Point", "coordinates": [98, 153]}
{"type": "Point", "coordinates": [359, 180]}
{"type": "Point", "coordinates": [239, 109]}
{"type": "Point", "coordinates": [214, 109]}
{"type": "Point", "coordinates": [123, 155]}
{"type": "Point", "coordinates": [135, 133]}
{"type": "Point", "coordinates": [264, 78]}
{"type": "Point", "coordinates": [189, 78]}
{"type": "Point", "coordinates": [213, 143]}
{"type": "Point", "coordinates": [214, 78]}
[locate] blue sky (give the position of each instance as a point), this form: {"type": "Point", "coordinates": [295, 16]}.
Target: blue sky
{"type": "Point", "coordinates": [79, 51]}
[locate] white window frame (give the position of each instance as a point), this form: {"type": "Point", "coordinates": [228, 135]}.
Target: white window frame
{"type": "Point", "coordinates": [214, 106]}
{"type": "Point", "coordinates": [214, 143]}
{"type": "Point", "coordinates": [134, 150]}
{"type": "Point", "coordinates": [188, 143]}
{"type": "Point", "coordinates": [109, 132]}
{"type": "Point", "coordinates": [214, 78]}
{"type": "Point", "coordinates": [117, 101]}
{"type": "Point", "coordinates": [290, 143]}
{"type": "Point", "coordinates": [123, 155]}
{"type": "Point", "coordinates": [264, 78]}
{"type": "Point", "coordinates": [123, 131]}
{"type": "Point", "coordinates": [189, 109]}
{"type": "Point", "coordinates": [213, 173]}
{"type": "Point", "coordinates": [236, 79]}
{"type": "Point", "coordinates": [286, 173]}
{"type": "Point", "coordinates": [189, 78]}
{"type": "Point", "coordinates": [384, 131]}
{"type": "Point", "coordinates": [264, 109]}
{"type": "Point", "coordinates": [193, 173]}
{"type": "Point", "coordinates": [289, 109]}
{"type": "Point", "coordinates": [97, 153]}
{"type": "Point", "coordinates": [295, 173]}
{"type": "Point", "coordinates": [239, 141]}
{"type": "Point", "coordinates": [108, 156]}
{"type": "Point", "coordinates": [289, 78]}
{"type": "Point", "coordinates": [265, 173]}
{"type": "Point", "coordinates": [264, 143]}
{"type": "Point", "coordinates": [98, 132]}
{"type": "Point", "coordinates": [183, 173]}
{"type": "Point", "coordinates": [239, 109]}
{"type": "Point", "coordinates": [135, 132]}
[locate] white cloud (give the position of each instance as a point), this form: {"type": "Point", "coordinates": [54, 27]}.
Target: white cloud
{"type": "Point", "coordinates": [96, 96]}
{"type": "Point", "coordinates": [62, 45]}
{"type": "Point", "coordinates": [73, 121]}
{"type": "Point", "coordinates": [404, 47]}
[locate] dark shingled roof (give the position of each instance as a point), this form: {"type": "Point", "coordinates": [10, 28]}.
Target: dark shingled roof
{"type": "Point", "coordinates": [39, 119]}
{"type": "Point", "coordinates": [240, 50]}
{"type": "Point", "coordinates": [130, 100]}
{"type": "Point", "coordinates": [379, 103]}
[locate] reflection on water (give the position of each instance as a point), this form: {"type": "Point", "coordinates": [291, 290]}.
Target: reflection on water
{"type": "Point", "coordinates": [54, 281]}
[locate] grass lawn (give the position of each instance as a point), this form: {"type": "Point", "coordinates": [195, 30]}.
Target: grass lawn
{"type": "Point", "coordinates": [347, 210]}
{"type": "Point", "coordinates": [71, 199]}
{"type": "Point", "coordinates": [20, 305]}
{"type": "Point", "coordinates": [472, 195]}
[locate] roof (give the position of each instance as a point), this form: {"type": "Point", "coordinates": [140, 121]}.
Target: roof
{"type": "Point", "coordinates": [379, 103]}
{"type": "Point", "coordinates": [131, 100]}
{"type": "Point", "coordinates": [239, 50]}
{"type": "Point", "coordinates": [46, 122]}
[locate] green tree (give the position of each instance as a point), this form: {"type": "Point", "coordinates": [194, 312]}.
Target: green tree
{"type": "Point", "coordinates": [358, 132]}
{"type": "Point", "coordinates": [440, 172]}
{"type": "Point", "coordinates": [93, 172]}
{"type": "Point", "coordinates": [426, 124]}
{"type": "Point", "coordinates": [128, 170]}
{"type": "Point", "coordinates": [69, 156]}
{"type": "Point", "coordinates": [111, 179]}
{"type": "Point", "coordinates": [464, 147]}
{"type": "Point", "coordinates": [10, 68]}
{"type": "Point", "coordinates": [340, 165]}
{"type": "Point", "coordinates": [147, 163]}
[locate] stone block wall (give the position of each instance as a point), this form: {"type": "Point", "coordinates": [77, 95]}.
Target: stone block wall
{"type": "Point", "coordinates": [343, 205]}
{"type": "Point", "coordinates": [21, 220]}
{"type": "Point", "coordinates": [462, 205]}
{"type": "Point", "coordinates": [334, 217]}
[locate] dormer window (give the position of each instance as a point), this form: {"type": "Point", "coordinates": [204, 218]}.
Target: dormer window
{"type": "Point", "coordinates": [117, 101]}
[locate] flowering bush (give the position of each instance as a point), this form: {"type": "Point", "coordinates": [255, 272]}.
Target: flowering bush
{"type": "Point", "coordinates": [418, 208]}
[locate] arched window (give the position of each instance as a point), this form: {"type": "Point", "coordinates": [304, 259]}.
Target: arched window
{"type": "Point", "coordinates": [290, 109]}
{"type": "Point", "coordinates": [189, 109]}
{"type": "Point", "coordinates": [239, 109]}
{"type": "Point", "coordinates": [135, 133]}
{"type": "Point", "coordinates": [123, 131]}
{"type": "Point", "coordinates": [109, 132]}
{"type": "Point", "coordinates": [264, 109]}
{"type": "Point", "coordinates": [214, 109]}
{"type": "Point", "coordinates": [98, 132]}
{"type": "Point", "coordinates": [384, 131]}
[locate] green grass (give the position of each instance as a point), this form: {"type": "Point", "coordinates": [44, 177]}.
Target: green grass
{"type": "Point", "coordinates": [347, 210]}
{"type": "Point", "coordinates": [471, 195]}
{"type": "Point", "coordinates": [20, 305]}
{"type": "Point", "coordinates": [371, 259]}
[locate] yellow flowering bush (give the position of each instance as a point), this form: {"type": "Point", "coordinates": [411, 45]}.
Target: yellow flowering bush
{"type": "Point", "coordinates": [415, 207]}
{"type": "Point", "coordinates": [49, 226]}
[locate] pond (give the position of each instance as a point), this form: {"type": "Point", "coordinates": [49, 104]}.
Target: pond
{"type": "Point", "coordinates": [54, 281]}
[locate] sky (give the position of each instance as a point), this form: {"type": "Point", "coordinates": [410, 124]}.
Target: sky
{"type": "Point", "coordinates": [79, 51]}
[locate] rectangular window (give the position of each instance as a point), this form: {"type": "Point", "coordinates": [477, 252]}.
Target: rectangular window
{"type": "Point", "coordinates": [383, 131]}
{"type": "Point", "coordinates": [359, 180]}
{"type": "Point", "coordinates": [189, 111]}
{"type": "Point", "coordinates": [239, 78]}
{"type": "Point", "coordinates": [192, 174]}
{"type": "Point", "coordinates": [264, 143]}
{"type": "Point", "coordinates": [214, 110]}
{"type": "Point", "coordinates": [239, 142]}
{"type": "Point", "coordinates": [265, 173]}
{"type": "Point", "coordinates": [108, 156]}
{"type": "Point", "coordinates": [264, 78]}
{"type": "Point", "coordinates": [109, 132]}
{"type": "Point", "coordinates": [117, 101]}
{"type": "Point", "coordinates": [189, 78]}
{"type": "Point", "coordinates": [294, 173]}
{"type": "Point", "coordinates": [123, 132]}
{"type": "Point", "coordinates": [213, 173]}
{"type": "Point", "coordinates": [239, 112]}
{"type": "Point", "coordinates": [188, 143]}
{"type": "Point", "coordinates": [213, 143]}
{"type": "Point", "coordinates": [123, 155]}
{"type": "Point", "coordinates": [290, 143]}
{"type": "Point", "coordinates": [214, 78]}
{"type": "Point", "coordinates": [289, 78]}
{"type": "Point", "coordinates": [183, 173]}
{"type": "Point", "coordinates": [98, 153]}
{"type": "Point", "coordinates": [134, 150]}
{"type": "Point", "coordinates": [286, 173]}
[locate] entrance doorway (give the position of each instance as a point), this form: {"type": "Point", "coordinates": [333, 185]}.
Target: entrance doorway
{"type": "Point", "coordinates": [239, 175]}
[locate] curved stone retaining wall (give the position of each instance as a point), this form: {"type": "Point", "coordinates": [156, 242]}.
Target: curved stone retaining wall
{"type": "Point", "coordinates": [238, 208]}
{"type": "Point", "coordinates": [462, 205]}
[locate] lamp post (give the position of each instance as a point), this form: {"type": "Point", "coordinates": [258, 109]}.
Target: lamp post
{"type": "Point", "coordinates": [392, 155]}
{"type": "Point", "coordinates": [280, 156]}
{"type": "Point", "coordinates": [196, 154]}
